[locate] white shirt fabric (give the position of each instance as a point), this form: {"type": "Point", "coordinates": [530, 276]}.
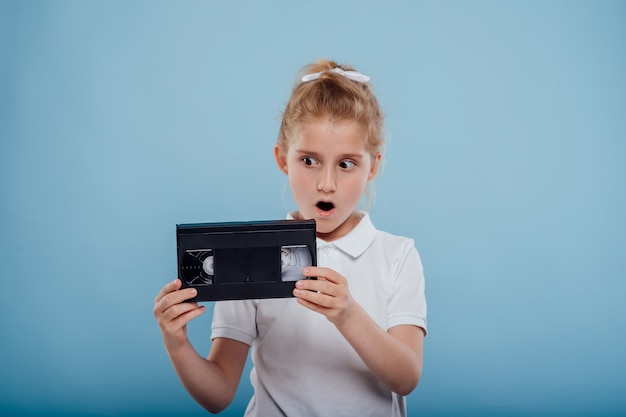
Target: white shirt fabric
{"type": "Point", "coordinates": [302, 364]}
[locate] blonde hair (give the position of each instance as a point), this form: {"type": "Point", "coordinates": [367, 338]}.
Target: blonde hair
{"type": "Point", "coordinates": [334, 96]}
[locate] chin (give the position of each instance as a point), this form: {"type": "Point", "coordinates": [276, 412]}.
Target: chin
{"type": "Point", "coordinates": [324, 229]}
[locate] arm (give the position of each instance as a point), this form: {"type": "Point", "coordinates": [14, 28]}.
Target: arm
{"type": "Point", "coordinates": [213, 381]}
{"type": "Point", "coordinates": [394, 356]}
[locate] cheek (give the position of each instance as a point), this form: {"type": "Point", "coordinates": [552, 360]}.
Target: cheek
{"type": "Point", "coordinates": [299, 183]}
{"type": "Point", "coordinates": [355, 187]}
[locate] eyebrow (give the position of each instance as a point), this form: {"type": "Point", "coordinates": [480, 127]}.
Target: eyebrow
{"type": "Point", "coordinates": [343, 156]}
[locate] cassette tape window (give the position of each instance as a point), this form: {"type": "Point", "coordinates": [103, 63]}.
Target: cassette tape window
{"type": "Point", "coordinates": [197, 267]}
{"type": "Point", "coordinates": [294, 259]}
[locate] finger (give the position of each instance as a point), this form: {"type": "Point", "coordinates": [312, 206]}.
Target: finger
{"type": "Point", "coordinates": [183, 319]}
{"type": "Point", "coordinates": [305, 284]}
{"type": "Point", "coordinates": [314, 297]}
{"type": "Point", "coordinates": [173, 298]}
{"type": "Point", "coordinates": [323, 273]}
{"type": "Point", "coordinates": [180, 321]}
{"type": "Point", "coordinates": [168, 288]}
{"type": "Point", "coordinates": [177, 310]}
{"type": "Point", "coordinates": [311, 306]}
{"type": "Point", "coordinates": [315, 285]}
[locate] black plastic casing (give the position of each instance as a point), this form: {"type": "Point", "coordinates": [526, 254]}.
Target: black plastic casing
{"type": "Point", "coordinates": [247, 256]}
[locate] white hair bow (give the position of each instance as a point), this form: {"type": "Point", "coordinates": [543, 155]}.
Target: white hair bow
{"type": "Point", "coordinates": [352, 75]}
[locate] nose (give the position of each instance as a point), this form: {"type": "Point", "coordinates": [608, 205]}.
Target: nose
{"type": "Point", "coordinates": [327, 182]}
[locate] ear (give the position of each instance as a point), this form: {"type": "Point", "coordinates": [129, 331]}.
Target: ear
{"type": "Point", "coordinates": [281, 159]}
{"type": "Point", "coordinates": [375, 166]}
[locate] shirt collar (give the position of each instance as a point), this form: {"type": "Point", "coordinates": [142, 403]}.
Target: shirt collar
{"type": "Point", "coordinates": [355, 242]}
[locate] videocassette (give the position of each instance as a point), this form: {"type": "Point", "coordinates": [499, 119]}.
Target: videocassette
{"type": "Point", "coordinates": [245, 260]}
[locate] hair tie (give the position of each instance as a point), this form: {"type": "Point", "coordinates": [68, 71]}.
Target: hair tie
{"type": "Point", "coordinates": [351, 75]}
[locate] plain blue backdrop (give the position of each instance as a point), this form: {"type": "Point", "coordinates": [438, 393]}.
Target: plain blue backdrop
{"type": "Point", "coordinates": [506, 162]}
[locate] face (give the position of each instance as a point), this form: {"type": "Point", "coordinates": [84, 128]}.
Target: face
{"type": "Point", "coordinates": [328, 168]}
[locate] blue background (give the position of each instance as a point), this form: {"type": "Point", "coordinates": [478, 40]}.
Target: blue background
{"type": "Point", "coordinates": [505, 163]}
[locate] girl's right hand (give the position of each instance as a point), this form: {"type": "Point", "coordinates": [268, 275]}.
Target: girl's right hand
{"type": "Point", "coordinates": [173, 313]}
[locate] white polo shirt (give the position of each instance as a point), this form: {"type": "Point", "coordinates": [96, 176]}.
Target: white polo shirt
{"type": "Point", "coordinates": [302, 364]}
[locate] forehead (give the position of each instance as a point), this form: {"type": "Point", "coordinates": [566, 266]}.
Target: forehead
{"type": "Point", "coordinates": [329, 135]}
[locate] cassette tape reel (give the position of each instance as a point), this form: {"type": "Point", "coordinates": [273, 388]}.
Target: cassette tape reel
{"type": "Point", "coordinates": [245, 260]}
{"type": "Point", "coordinates": [197, 267]}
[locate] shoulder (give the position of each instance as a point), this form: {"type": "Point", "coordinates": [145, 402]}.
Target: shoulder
{"type": "Point", "coordinates": [396, 248]}
{"type": "Point", "coordinates": [366, 230]}
{"type": "Point", "coordinates": [390, 239]}
{"type": "Point", "coordinates": [393, 242]}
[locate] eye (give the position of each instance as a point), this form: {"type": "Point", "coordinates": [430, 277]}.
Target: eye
{"type": "Point", "coordinates": [310, 161]}
{"type": "Point", "coordinates": [347, 164]}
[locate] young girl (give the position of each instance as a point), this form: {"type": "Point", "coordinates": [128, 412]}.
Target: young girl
{"type": "Point", "coordinates": [350, 343]}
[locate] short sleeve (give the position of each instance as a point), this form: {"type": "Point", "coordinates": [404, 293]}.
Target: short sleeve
{"type": "Point", "coordinates": [235, 320]}
{"type": "Point", "coordinates": [408, 301]}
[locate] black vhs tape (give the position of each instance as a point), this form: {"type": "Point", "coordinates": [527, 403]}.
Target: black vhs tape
{"type": "Point", "coordinates": [245, 260]}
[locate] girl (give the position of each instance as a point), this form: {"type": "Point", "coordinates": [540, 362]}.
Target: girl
{"type": "Point", "coordinates": [350, 343]}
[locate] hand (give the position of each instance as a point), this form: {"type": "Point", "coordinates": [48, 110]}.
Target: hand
{"type": "Point", "coordinates": [328, 294]}
{"type": "Point", "coordinates": [173, 314]}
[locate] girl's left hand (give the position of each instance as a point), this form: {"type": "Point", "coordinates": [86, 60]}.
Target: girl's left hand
{"type": "Point", "coordinates": [328, 294]}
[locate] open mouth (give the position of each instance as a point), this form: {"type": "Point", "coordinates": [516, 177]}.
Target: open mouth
{"type": "Point", "coordinates": [325, 206]}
